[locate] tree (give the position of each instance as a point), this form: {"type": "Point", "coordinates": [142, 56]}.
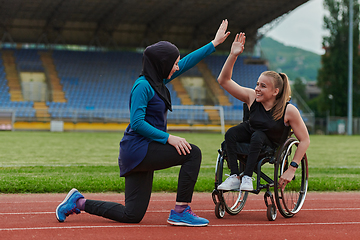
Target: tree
{"type": "Point", "coordinates": [333, 75]}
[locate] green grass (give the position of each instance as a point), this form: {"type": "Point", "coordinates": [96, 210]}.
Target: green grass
{"type": "Point", "coordinates": [38, 162]}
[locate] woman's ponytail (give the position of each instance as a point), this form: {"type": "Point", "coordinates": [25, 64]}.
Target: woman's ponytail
{"type": "Point", "coordinates": [280, 81]}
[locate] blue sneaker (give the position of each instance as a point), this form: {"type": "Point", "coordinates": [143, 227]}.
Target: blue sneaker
{"type": "Point", "coordinates": [186, 218]}
{"type": "Point", "coordinates": [68, 206]}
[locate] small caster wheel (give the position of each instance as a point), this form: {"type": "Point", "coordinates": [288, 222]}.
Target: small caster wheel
{"type": "Point", "coordinates": [219, 210]}
{"type": "Point", "coordinates": [271, 212]}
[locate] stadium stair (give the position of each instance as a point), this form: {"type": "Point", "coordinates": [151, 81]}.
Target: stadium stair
{"type": "Point", "coordinates": [41, 111]}
{"type": "Point", "coordinates": [181, 92]}
{"type": "Point", "coordinates": [185, 99]}
{"type": "Point", "coordinates": [57, 92]}
{"type": "Point", "coordinates": [216, 90]}
{"type": "Point", "coordinates": [214, 116]}
{"type": "Point", "coordinates": [213, 85]}
{"type": "Point", "coordinates": [12, 76]}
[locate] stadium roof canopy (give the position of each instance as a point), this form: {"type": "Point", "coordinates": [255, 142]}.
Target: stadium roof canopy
{"type": "Point", "coordinates": [135, 23]}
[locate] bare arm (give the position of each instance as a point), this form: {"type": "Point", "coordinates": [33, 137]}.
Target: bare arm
{"type": "Point", "coordinates": [244, 94]}
{"type": "Point", "coordinates": [293, 117]}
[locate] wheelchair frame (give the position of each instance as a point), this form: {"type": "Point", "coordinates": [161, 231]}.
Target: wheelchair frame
{"type": "Point", "coordinates": [288, 201]}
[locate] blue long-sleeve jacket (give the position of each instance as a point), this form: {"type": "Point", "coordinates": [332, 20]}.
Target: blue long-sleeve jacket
{"type": "Point", "coordinates": [148, 115]}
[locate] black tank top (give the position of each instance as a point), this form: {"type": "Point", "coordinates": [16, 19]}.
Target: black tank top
{"type": "Point", "coordinates": [262, 120]}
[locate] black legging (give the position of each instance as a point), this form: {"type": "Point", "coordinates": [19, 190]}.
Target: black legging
{"type": "Point", "coordinates": [242, 133]}
{"type": "Point", "coordinates": [138, 183]}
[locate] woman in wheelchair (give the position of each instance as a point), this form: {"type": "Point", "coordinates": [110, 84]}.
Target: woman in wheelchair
{"type": "Point", "coordinates": [270, 113]}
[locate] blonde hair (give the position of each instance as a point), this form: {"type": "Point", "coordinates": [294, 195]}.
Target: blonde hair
{"type": "Point", "coordinates": [280, 81]}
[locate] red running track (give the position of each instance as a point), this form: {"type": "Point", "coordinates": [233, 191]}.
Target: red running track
{"type": "Point", "coordinates": [323, 216]}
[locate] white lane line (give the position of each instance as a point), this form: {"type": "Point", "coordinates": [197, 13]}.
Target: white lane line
{"type": "Point", "coordinates": [161, 226]}
{"type": "Point", "coordinates": [285, 224]}
{"type": "Point", "coordinates": [205, 210]}
{"type": "Point", "coordinates": [171, 200]}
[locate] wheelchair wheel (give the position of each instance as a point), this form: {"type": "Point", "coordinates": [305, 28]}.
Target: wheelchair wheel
{"type": "Point", "coordinates": [290, 200]}
{"type": "Point", "coordinates": [233, 200]}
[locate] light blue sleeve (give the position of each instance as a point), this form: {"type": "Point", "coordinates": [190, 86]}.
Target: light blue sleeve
{"type": "Point", "coordinates": [192, 59]}
{"type": "Point", "coordinates": [141, 94]}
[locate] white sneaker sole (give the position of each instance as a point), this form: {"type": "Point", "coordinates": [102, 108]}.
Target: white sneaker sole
{"type": "Point", "coordinates": [228, 189]}
{"type": "Point", "coordinates": [246, 189]}
{"type": "Point", "coordinates": [186, 224]}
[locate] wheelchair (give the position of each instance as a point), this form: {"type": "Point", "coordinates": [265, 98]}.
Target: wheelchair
{"type": "Point", "coordinates": [288, 201]}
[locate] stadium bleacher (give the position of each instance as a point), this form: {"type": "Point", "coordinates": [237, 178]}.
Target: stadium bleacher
{"type": "Point", "coordinates": [28, 60]}
{"type": "Point", "coordinates": [21, 108]}
{"type": "Point", "coordinates": [97, 84]}
{"type": "Point", "coordinates": [95, 80]}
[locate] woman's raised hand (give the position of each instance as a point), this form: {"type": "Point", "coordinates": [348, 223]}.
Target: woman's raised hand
{"type": "Point", "coordinates": [238, 45]}
{"type": "Point", "coordinates": [221, 33]}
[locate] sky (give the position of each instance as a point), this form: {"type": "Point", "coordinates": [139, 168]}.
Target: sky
{"type": "Point", "coordinates": [302, 28]}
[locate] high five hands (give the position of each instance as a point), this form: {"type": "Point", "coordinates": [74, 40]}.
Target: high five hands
{"type": "Point", "coordinates": [238, 45]}
{"type": "Point", "coordinates": [221, 33]}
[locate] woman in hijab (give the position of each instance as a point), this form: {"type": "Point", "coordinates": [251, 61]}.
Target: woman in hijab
{"type": "Point", "coordinates": [146, 146]}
